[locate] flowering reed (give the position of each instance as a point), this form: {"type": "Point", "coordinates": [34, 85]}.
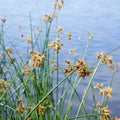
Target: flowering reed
{"type": "Point", "coordinates": [35, 86]}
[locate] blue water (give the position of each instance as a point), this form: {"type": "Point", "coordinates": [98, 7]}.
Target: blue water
{"type": "Point", "coordinates": [102, 17]}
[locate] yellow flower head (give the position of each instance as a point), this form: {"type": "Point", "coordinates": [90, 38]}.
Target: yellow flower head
{"type": "Point", "coordinates": [37, 58]}
{"type": "Point", "coordinates": [69, 67]}
{"type": "Point", "coordinates": [106, 59]}
{"type": "Point", "coordinates": [4, 83]}
{"type": "Point", "coordinates": [107, 91]}
{"type": "Point", "coordinates": [105, 111]}
{"type": "Point", "coordinates": [69, 35]}
{"type": "Point", "coordinates": [47, 18]}
{"type": "Point", "coordinates": [41, 110]}
{"type": "Point", "coordinates": [59, 5]}
{"type": "Point", "coordinates": [80, 63]}
{"type": "Point", "coordinates": [9, 50]}
{"type": "Point", "coordinates": [116, 118]}
{"type": "Point", "coordinates": [28, 40]}
{"type": "Point", "coordinates": [1, 90]}
{"type": "Point", "coordinates": [98, 104]}
{"type": "Point", "coordinates": [56, 45]}
{"type": "Point", "coordinates": [59, 29]}
{"type": "Point", "coordinates": [20, 107]}
{"type": "Point", "coordinates": [99, 86]}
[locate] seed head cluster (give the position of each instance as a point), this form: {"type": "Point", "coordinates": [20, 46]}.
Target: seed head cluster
{"type": "Point", "coordinates": [105, 113]}
{"type": "Point", "coordinates": [59, 29]}
{"type": "Point", "coordinates": [116, 118]}
{"type": "Point", "coordinates": [80, 66]}
{"type": "Point", "coordinates": [59, 4]}
{"type": "Point", "coordinates": [98, 104]}
{"type": "Point", "coordinates": [27, 71]}
{"type": "Point", "coordinates": [106, 59]}
{"type": "Point", "coordinates": [28, 40]}
{"type": "Point", "coordinates": [41, 110]}
{"type": "Point", "coordinates": [107, 91]}
{"type": "Point", "coordinates": [104, 91]}
{"type": "Point", "coordinates": [99, 86]}
{"type": "Point", "coordinates": [69, 67]}
{"type": "Point", "coordinates": [3, 84]}
{"type": "Point", "coordinates": [47, 18]}
{"type": "Point", "coordinates": [10, 51]}
{"type": "Point", "coordinates": [37, 58]}
{"type": "Point", "coordinates": [82, 69]}
{"type": "Point", "coordinates": [21, 109]}
{"type": "Point", "coordinates": [69, 35]}
{"type": "Point", "coordinates": [56, 45]}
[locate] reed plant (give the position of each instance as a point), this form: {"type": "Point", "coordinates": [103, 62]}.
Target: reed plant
{"type": "Point", "coordinates": [35, 86]}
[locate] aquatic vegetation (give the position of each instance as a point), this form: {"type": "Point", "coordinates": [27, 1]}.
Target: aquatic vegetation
{"type": "Point", "coordinates": [35, 86]}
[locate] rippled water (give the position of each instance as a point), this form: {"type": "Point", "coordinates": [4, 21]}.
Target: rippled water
{"type": "Point", "coordinates": [102, 17]}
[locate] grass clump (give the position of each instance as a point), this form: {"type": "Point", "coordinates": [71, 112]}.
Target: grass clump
{"type": "Point", "coordinates": [35, 86]}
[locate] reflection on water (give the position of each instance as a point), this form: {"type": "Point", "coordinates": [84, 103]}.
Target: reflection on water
{"type": "Point", "coordinates": [78, 17]}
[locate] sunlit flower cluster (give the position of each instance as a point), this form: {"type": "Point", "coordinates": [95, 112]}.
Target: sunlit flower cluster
{"type": "Point", "coordinates": [37, 58]}
{"type": "Point", "coordinates": [21, 109]}
{"type": "Point", "coordinates": [41, 110]}
{"type": "Point", "coordinates": [69, 67]}
{"type": "Point", "coordinates": [69, 35]}
{"type": "Point", "coordinates": [106, 59]}
{"type": "Point", "coordinates": [83, 72]}
{"type": "Point", "coordinates": [80, 66]}
{"type": "Point", "coordinates": [80, 63]}
{"type": "Point", "coordinates": [28, 40]}
{"type": "Point", "coordinates": [59, 29]}
{"type": "Point", "coordinates": [98, 104]}
{"type": "Point", "coordinates": [82, 69]}
{"type": "Point", "coordinates": [105, 113]}
{"type": "Point", "coordinates": [107, 91]}
{"type": "Point", "coordinates": [47, 18]}
{"type": "Point", "coordinates": [56, 45]}
{"type": "Point", "coordinates": [3, 84]}
{"type": "Point", "coordinates": [99, 86]}
{"type": "Point", "coordinates": [116, 118]}
{"type": "Point", "coordinates": [59, 4]}
{"type": "Point", "coordinates": [104, 91]}
{"type": "Point", "coordinates": [9, 51]}
{"type": "Point", "coordinates": [27, 71]}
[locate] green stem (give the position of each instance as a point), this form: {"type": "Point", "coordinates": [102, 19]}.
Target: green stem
{"type": "Point", "coordinates": [84, 116]}
{"type": "Point", "coordinates": [71, 97]}
{"type": "Point", "coordinates": [85, 51]}
{"type": "Point", "coordinates": [91, 79]}
{"type": "Point", "coordinates": [56, 86]}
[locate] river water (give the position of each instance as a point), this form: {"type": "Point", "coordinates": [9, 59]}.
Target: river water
{"type": "Point", "coordinates": [102, 17]}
